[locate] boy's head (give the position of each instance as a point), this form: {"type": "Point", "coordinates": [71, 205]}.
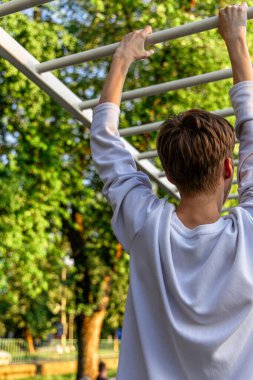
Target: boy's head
{"type": "Point", "coordinates": [192, 148]}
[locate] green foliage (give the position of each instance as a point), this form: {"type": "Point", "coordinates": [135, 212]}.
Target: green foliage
{"type": "Point", "coordinates": [31, 250]}
{"type": "Point", "coordinates": [47, 175]}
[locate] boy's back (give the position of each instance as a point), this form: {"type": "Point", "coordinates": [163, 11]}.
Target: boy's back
{"type": "Point", "coordinates": [189, 312]}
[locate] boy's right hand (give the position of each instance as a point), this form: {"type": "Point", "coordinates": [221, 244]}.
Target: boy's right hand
{"type": "Point", "coordinates": [232, 27]}
{"type": "Point", "coordinates": [233, 22]}
{"type": "Point", "coordinates": [132, 47]}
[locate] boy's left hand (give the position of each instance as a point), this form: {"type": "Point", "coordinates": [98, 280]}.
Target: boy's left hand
{"type": "Point", "coordinates": [132, 47]}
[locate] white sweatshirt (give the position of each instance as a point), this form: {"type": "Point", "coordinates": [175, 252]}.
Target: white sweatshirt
{"type": "Point", "coordinates": [189, 312]}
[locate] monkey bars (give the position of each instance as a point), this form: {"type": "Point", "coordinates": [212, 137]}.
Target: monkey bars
{"type": "Point", "coordinates": [168, 86]}
{"type": "Point", "coordinates": [14, 6]}
{"type": "Point", "coordinates": [81, 110]}
{"type": "Point", "coordinates": [155, 38]}
{"type": "Point", "coordinates": [150, 127]}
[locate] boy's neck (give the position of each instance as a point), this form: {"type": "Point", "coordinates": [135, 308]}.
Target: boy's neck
{"type": "Point", "coordinates": [199, 209]}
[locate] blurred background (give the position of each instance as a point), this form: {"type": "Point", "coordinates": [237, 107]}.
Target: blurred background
{"type": "Point", "coordinates": [63, 275]}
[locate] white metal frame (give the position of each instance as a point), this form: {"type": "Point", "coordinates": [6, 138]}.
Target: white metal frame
{"type": "Point", "coordinates": [167, 86]}
{"type": "Point", "coordinates": [155, 38]}
{"type": "Point", "coordinates": [38, 73]}
{"type": "Point", "coordinates": [150, 127]}
{"type": "Point", "coordinates": [14, 6]}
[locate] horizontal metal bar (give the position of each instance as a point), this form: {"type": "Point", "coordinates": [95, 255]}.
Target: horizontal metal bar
{"type": "Point", "coordinates": [145, 155]}
{"type": "Point", "coordinates": [233, 196]}
{"type": "Point", "coordinates": [224, 113]}
{"type": "Point", "coordinates": [167, 86]}
{"type": "Point", "coordinates": [150, 127]}
{"type": "Point", "coordinates": [137, 130]}
{"type": "Point", "coordinates": [227, 209]}
{"type": "Point", "coordinates": [153, 153]}
{"type": "Point", "coordinates": [162, 174]}
{"type": "Point", "coordinates": [76, 59]}
{"type": "Point", "coordinates": [155, 38]}
{"type": "Point", "coordinates": [14, 6]}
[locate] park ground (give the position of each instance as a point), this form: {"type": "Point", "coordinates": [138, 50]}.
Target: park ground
{"type": "Point", "coordinates": [111, 374]}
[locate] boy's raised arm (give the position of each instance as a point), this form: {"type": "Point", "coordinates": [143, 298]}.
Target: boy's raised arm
{"type": "Point", "coordinates": [232, 27]}
{"type": "Point", "coordinates": [131, 49]}
{"type": "Point", "coordinates": [128, 190]}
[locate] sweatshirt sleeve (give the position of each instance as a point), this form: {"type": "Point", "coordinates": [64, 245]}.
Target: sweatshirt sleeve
{"type": "Point", "coordinates": [127, 190]}
{"type": "Point", "coordinates": [242, 100]}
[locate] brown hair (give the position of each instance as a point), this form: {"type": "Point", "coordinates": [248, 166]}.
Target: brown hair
{"type": "Point", "coordinates": [191, 147]}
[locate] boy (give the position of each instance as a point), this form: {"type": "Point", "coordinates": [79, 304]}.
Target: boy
{"type": "Point", "coordinates": [189, 312]}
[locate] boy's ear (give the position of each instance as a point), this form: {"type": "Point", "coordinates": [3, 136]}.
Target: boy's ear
{"type": "Point", "coordinates": [228, 168]}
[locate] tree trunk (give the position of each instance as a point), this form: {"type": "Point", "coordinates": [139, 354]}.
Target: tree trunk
{"type": "Point", "coordinates": [71, 328]}
{"type": "Point", "coordinates": [88, 327]}
{"type": "Point", "coordinates": [89, 331]}
{"type": "Point", "coordinates": [29, 340]}
{"type": "Point", "coordinates": [192, 4]}
{"type": "Point", "coordinates": [63, 308]}
{"type": "Point", "coordinates": [88, 354]}
{"type": "Point", "coordinates": [37, 14]}
{"type": "Point", "coordinates": [81, 346]}
{"type": "Point", "coordinates": [88, 337]}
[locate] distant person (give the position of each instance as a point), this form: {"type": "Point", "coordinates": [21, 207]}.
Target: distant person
{"type": "Point", "coordinates": [102, 371]}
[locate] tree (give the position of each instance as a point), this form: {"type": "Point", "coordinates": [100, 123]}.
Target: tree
{"type": "Point", "coordinates": [31, 250]}
{"type": "Point", "coordinates": [48, 159]}
{"type": "Point", "coordinates": [30, 261]}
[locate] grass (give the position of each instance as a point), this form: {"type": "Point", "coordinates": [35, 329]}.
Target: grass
{"type": "Point", "coordinates": [52, 377]}
{"type": "Point", "coordinates": [111, 373]}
